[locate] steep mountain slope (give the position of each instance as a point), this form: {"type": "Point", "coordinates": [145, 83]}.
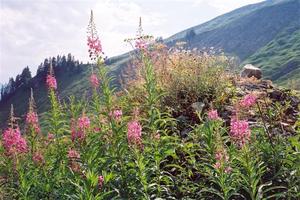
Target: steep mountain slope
{"type": "Point", "coordinates": [280, 59]}
{"type": "Point", "coordinates": [256, 33]}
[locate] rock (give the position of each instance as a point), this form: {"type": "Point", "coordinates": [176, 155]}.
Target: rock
{"type": "Point", "coordinates": [251, 71]}
{"type": "Point", "coordinates": [185, 132]}
{"type": "Point", "coordinates": [198, 106]}
{"type": "Point", "coordinates": [295, 101]}
{"type": "Point", "coordinates": [266, 84]}
{"type": "Point", "coordinates": [182, 119]}
{"type": "Point", "coordinates": [275, 94]}
{"type": "Point", "coordinates": [240, 92]}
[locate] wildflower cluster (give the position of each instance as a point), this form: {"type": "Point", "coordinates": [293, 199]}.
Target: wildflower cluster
{"type": "Point", "coordinates": [116, 114]}
{"type": "Point", "coordinates": [32, 119]}
{"type": "Point", "coordinates": [239, 131]}
{"type": "Point", "coordinates": [248, 100]}
{"type": "Point", "coordinates": [84, 122]}
{"type": "Point", "coordinates": [93, 41]}
{"type": "Point", "coordinates": [13, 142]}
{"type": "Point", "coordinates": [222, 161]}
{"type": "Point", "coordinates": [213, 115]}
{"type": "Point", "coordinates": [100, 181]}
{"type": "Point", "coordinates": [79, 128]}
{"type": "Point", "coordinates": [38, 158]}
{"type": "Point", "coordinates": [73, 154]}
{"type": "Point", "coordinates": [134, 133]}
{"type": "Point", "coordinates": [51, 82]}
{"type": "Point", "coordinates": [74, 157]}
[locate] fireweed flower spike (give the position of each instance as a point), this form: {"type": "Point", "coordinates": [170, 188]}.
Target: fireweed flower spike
{"type": "Point", "coordinates": [50, 80]}
{"type": "Point", "coordinates": [38, 158]}
{"type": "Point", "coordinates": [116, 114]}
{"type": "Point", "coordinates": [32, 117]}
{"type": "Point", "coordinates": [84, 122]}
{"type": "Point", "coordinates": [94, 81]}
{"type": "Point", "coordinates": [134, 133]}
{"type": "Point", "coordinates": [239, 131]}
{"type": "Point", "coordinates": [12, 140]}
{"type": "Point", "coordinates": [213, 115]}
{"type": "Point", "coordinates": [93, 41]}
{"type": "Point", "coordinates": [100, 181]}
{"type": "Point", "coordinates": [222, 161]}
{"type": "Point", "coordinates": [140, 42]}
{"type": "Point", "coordinates": [73, 154]}
{"type": "Point", "coordinates": [78, 129]}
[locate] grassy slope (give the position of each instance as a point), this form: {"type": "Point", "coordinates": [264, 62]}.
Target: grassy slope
{"type": "Point", "coordinates": [75, 84]}
{"type": "Point", "coordinates": [222, 20]}
{"type": "Point", "coordinates": [265, 34]}
{"type": "Point", "coordinates": [280, 59]}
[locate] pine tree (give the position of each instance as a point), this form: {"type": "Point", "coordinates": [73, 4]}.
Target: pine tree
{"type": "Point", "coordinates": [25, 76]}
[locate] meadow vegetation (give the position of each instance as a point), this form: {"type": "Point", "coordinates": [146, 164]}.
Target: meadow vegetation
{"type": "Point", "coordinates": [133, 144]}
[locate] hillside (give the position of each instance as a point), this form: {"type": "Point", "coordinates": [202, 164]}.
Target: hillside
{"type": "Point", "coordinates": [69, 84]}
{"type": "Point", "coordinates": [280, 59]}
{"type": "Point", "coordinates": [265, 34]}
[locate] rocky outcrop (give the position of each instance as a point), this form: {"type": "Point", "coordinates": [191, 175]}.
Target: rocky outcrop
{"type": "Point", "coordinates": [281, 104]}
{"type": "Point", "coordinates": [279, 107]}
{"type": "Point", "coordinates": [251, 71]}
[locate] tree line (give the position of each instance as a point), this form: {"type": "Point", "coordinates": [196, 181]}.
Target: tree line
{"type": "Point", "coordinates": [61, 64]}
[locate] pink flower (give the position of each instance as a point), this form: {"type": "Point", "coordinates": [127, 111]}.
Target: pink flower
{"type": "Point", "coordinates": [80, 135]}
{"type": "Point", "coordinates": [73, 154]}
{"type": "Point", "coordinates": [84, 122]}
{"type": "Point", "coordinates": [217, 165]}
{"type": "Point", "coordinates": [219, 156]}
{"type": "Point", "coordinates": [50, 136]}
{"type": "Point", "coordinates": [213, 115]}
{"type": "Point", "coordinates": [134, 132]}
{"type": "Point", "coordinates": [51, 82]}
{"type": "Point", "coordinates": [141, 44]}
{"type": "Point", "coordinates": [157, 136]}
{"type": "Point", "coordinates": [13, 142]}
{"type": "Point", "coordinates": [228, 170]}
{"type": "Point", "coordinates": [97, 129]}
{"type": "Point", "coordinates": [95, 47]}
{"type": "Point", "coordinates": [239, 131]}
{"type": "Point", "coordinates": [38, 158]}
{"type": "Point", "coordinates": [100, 181]}
{"type": "Point", "coordinates": [248, 100]}
{"type": "Point", "coordinates": [94, 80]}
{"type": "Point", "coordinates": [32, 118]}
{"type": "Point", "coordinates": [78, 129]}
{"type": "Point", "coordinates": [222, 161]}
{"type": "Point", "coordinates": [116, 114]}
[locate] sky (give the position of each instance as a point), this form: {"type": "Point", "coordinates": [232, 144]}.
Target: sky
{"type": "Point", "coordinates": [32, 30]}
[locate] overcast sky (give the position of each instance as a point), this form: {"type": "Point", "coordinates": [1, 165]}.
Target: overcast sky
{"type": "Point", "coordinates": [31, 30]}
